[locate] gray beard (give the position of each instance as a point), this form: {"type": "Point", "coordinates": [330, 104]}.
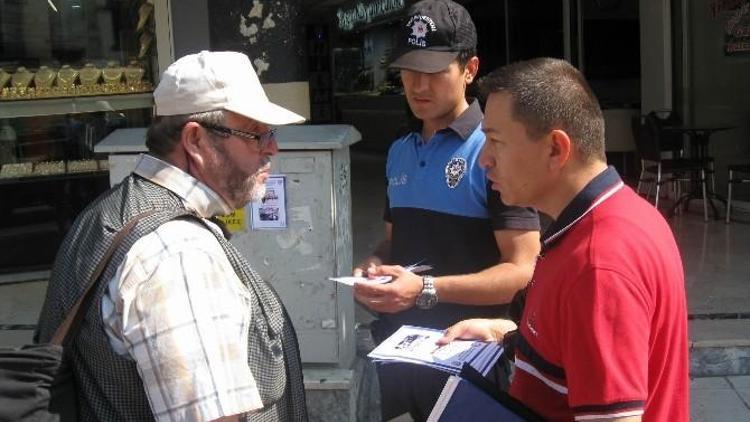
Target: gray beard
{"type": "Point", "coordinates": [258, 191]}
{"type": "Point", "coordinates": [245, 189]}
{"type": "Point", "coordinates": [241, 187]}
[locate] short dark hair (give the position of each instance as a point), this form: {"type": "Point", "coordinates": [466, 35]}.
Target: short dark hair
{"type": "Point", "coordinates": [549, 94]}
{"type": "Point", "coordinates": [464, 56]}
{"type": "Point", "coordinates": [164, 132]}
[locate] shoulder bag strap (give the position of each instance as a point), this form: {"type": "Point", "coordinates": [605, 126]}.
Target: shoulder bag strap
{"type": "Point", "coordinates": [76, 313]}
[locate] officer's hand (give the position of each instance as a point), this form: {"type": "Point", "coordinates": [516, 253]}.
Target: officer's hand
{"type": "Point", "coordinates": [365, 269]}
{"type": "Point", "coordinates": [478, 329]}
{"type": "Point", "coordinates": [396, 296]}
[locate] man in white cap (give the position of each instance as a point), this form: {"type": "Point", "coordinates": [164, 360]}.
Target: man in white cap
{"type": "Point", "coordinates": [181, 328]}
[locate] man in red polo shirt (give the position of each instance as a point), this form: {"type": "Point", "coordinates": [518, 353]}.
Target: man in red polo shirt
{"type": "Point", "coordinates": [603, 333]}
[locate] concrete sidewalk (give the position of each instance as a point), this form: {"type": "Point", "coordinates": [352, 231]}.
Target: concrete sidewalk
{"type": "Point", "coordinates": [720, 399]}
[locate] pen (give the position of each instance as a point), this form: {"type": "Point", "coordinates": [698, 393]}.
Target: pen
{"type": "Point", "coordinates": [417, 268]}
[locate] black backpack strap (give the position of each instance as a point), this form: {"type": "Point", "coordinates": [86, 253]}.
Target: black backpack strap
{"type": "Point", "coordinates": [76, 313]}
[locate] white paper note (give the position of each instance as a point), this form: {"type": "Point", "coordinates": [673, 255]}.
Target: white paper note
{"type": "Point", "coordinates": [350, 280]}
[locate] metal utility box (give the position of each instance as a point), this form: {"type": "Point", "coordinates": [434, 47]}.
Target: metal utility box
{"type": "Point", "coordinates": [316, 242]}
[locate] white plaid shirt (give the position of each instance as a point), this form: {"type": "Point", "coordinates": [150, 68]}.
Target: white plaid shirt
{"type": "Point", "coordinates": [177, 308]}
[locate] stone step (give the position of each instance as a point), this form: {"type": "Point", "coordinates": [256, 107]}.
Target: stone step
{"type": "Point", "coordinates": [342, 395]}
{"type": "Point", "coordinates": [719, 347]}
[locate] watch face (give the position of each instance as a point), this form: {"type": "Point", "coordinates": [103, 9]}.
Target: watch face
{"type": "Point", "coordinates": [426, 300]}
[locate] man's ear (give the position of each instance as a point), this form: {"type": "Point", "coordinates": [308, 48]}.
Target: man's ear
{"type": "Point", "coordinates": [472, 67]}
{"type": "Point", "coordinates": [561, 148]}
{"type": "Point", "coordinates": [193, 143]}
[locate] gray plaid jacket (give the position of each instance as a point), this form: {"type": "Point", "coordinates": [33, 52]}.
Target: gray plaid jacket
{"type": "Point", "coordinates": [109, 387]}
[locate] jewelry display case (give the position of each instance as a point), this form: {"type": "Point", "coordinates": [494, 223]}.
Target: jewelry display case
{"type": "Point", "coordinates": [71, 72]}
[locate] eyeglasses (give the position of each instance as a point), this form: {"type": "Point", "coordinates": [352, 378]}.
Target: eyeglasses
{"type": "Point", "coordinates": [263, 139]}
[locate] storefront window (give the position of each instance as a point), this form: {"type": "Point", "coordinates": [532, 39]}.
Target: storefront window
{"type": "Point", "coordinates": [366, 92]}
{"type": "Point", "coordinates": [71, 71]}
{"type": "Point", "coordinates": [611, 51]}
{"type": "Point", "coordinates": [350, 74]}
{"type": "Point", "coordinates": [361, 62]}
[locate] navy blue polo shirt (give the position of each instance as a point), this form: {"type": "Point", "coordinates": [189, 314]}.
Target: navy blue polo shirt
{"type": "Point", "coordinates": [444, 213]}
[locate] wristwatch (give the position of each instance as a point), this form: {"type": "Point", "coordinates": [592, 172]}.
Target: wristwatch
{"type": "Point", "coordinates": [428, 298]}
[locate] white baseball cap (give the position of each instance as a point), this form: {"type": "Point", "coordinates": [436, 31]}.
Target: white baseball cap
{"type": "Point", "coordinates": [217, 80]}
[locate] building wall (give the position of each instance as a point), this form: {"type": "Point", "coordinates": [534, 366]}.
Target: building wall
{"type": "Point", "coordinates": [656, 55]}
{"type": "Point", "coordinates": [719, 89]}
{"type": "Point", "coordinates": [271, 33]}
{"type": "Point", "coordinates": [190, 32]}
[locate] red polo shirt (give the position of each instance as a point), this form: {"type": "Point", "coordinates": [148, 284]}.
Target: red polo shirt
{"type": "Point", "coordinates": [604, 328]}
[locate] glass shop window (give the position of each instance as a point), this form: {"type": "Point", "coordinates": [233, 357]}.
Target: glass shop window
{"type": "Point", "coordinates": [71, 71]}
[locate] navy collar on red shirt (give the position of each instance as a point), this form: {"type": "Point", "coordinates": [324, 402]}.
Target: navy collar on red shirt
{"type": "Point", "coordinates": [596, 191]}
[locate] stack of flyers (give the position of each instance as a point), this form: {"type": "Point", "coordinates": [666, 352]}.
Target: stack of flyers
{"type": "Point", "coordinates": [382, 279]}
{"type": "Point", "coordinates": [351, 280]}
{"type": "Point", "coordinates": [418, 345]}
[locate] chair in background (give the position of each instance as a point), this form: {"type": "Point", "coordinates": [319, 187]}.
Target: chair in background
{"type": "Point", "coordinates": [669, 142]}
{"type": "Point", "coordinates": [732, 180]}
{"type": "Point", "coordinates": [657, 170]}
{"type": "Point", "coordinates": [675, 143]}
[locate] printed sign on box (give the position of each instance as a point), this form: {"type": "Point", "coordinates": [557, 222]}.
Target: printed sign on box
{"type": "Point", "coordinates": [270, 212]}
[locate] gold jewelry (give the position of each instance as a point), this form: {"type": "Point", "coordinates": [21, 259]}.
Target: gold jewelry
{"type": "Point", "coordinates": [21, 79]}
{"type": "Point", "coordinates": [145, 42]}
{"type": "Point", "coordinates": [89, 75]}
{"type": "Point", "coordinates": [66, 76]}
{"type": "Point", "coordinates": [112, 74]}
{"type": "Point", "coordinates": [44, 78]}
{"type": "Point", "coordinates": [133, 74]}
{"type": "Point", "coordinates": [4, 78]}
{"type": "Point", "coordinates": [144, 12]}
